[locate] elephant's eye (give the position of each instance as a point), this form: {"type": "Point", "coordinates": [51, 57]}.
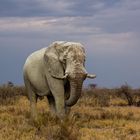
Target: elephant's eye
{"type": "Point", "coordinates": [84, 59]}
{"type": "Point", "coordinates": [64, 61]}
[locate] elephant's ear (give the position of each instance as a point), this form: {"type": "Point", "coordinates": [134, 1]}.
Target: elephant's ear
{"type": "Point", "coordinates": [53, 63]}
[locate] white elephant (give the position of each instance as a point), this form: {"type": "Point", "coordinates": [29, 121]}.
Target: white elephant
{"type": "Point", "coordinates": [57, 72]}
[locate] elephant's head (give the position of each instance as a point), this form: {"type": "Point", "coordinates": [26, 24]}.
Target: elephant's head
{"type": "Point", "coordinates": [66, 61]}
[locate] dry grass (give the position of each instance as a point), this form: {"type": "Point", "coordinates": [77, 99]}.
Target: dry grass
{"type": "Point", "coordinates": [101, 114]}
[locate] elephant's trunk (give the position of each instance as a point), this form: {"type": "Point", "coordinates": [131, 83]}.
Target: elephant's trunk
{"type": "Point", "coordinates": [75, 92]}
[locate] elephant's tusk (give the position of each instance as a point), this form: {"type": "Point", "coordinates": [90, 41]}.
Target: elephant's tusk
{"type": "Point", "coordinates": [92, 76]}
{"type": "Point", "coordinates": [65, 76]}
{"type": "Point", "coordinates": [58, 77]}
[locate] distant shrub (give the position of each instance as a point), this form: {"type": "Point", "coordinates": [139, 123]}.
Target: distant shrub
{"type": "Point", "coordinates": [93, 96]}
{"type": "Point", "coordinates": [9, 94]}
{"type": "Point", "coordinates": [121, 96]}
{"type": "Point", "coordinates": [98, 96]}
{"type": "Point", "coordinates": [132, 96]}
{"type": "Point", "coordinates": [126, 90]}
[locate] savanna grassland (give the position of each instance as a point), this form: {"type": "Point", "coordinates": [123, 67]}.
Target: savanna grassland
{"type": "Point", "coordinates": [100, 114]}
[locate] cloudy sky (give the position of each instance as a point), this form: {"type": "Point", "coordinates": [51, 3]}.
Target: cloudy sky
{"type": "Point", "coordinates": [109, 29]}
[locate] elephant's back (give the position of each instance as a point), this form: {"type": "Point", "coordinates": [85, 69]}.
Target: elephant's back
{"type": "Point", "coordinates": [35, 56]}
{"type": "Point", "coordinates": [34, 62]}
{"type": "Point", "coordinates": [33, 71]}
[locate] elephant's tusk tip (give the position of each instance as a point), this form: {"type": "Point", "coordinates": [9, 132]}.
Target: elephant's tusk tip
{"type": "Point", "coordinates": [92, 76]}
{"type": "Point", "coordinates": [65, 76]}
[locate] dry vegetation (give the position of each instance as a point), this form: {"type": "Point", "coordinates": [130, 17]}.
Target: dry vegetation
{"type": "Point", "coordinates": [100, 114]}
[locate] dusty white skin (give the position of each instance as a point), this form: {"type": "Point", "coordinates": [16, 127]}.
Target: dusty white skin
{"type": "Point", "coordinates": [57, 72]}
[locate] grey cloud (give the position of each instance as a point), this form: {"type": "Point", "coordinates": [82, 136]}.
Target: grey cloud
{"type": "Point", "coordinates": [20, 8]}
{"type": "Point", "coordinates": [26, 8]}
{"type": "Point", "coordinates": [118, 18]}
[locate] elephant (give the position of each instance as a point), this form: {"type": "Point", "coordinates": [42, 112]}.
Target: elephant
{"type": "Point", "coordinates": [57, 72]}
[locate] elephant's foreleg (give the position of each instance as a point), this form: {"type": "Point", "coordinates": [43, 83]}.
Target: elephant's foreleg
{"type": "Point", "coordinates": [57, 90]}
{"type": "Point", "coordinates": [68, 109]}
{"type": "Point", "coordinates": [58, 94]}
{"type": "Point", "coordinates": [60, 105]}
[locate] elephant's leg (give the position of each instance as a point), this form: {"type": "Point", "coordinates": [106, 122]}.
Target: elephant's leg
{"type": "Point", "coordinates": [33, 106]}
{"type": "Point", "coordinates": [60, 105]}
{"type": "Point", "coordinates": [52, 104]}
{"type": "Point", "coordinates": [57, 89]}
{"type": "Point", "coordinates": [68, 109]}
{"type": "Point", "coordinates": [33, 100]}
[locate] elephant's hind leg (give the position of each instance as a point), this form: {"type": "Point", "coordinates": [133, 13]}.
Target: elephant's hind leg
{"type": "Point", "coordinates": [33, 100]}
{"type": "Point", "coordinates": [33, 107]}
{"type": "Point", "coordinates": [51, 104]}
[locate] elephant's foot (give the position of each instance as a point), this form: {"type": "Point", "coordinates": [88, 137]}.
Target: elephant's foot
{"type": "Point", "coordinates": [68, 109]}
{"type": "Point", "coordinates": [59, 113]}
